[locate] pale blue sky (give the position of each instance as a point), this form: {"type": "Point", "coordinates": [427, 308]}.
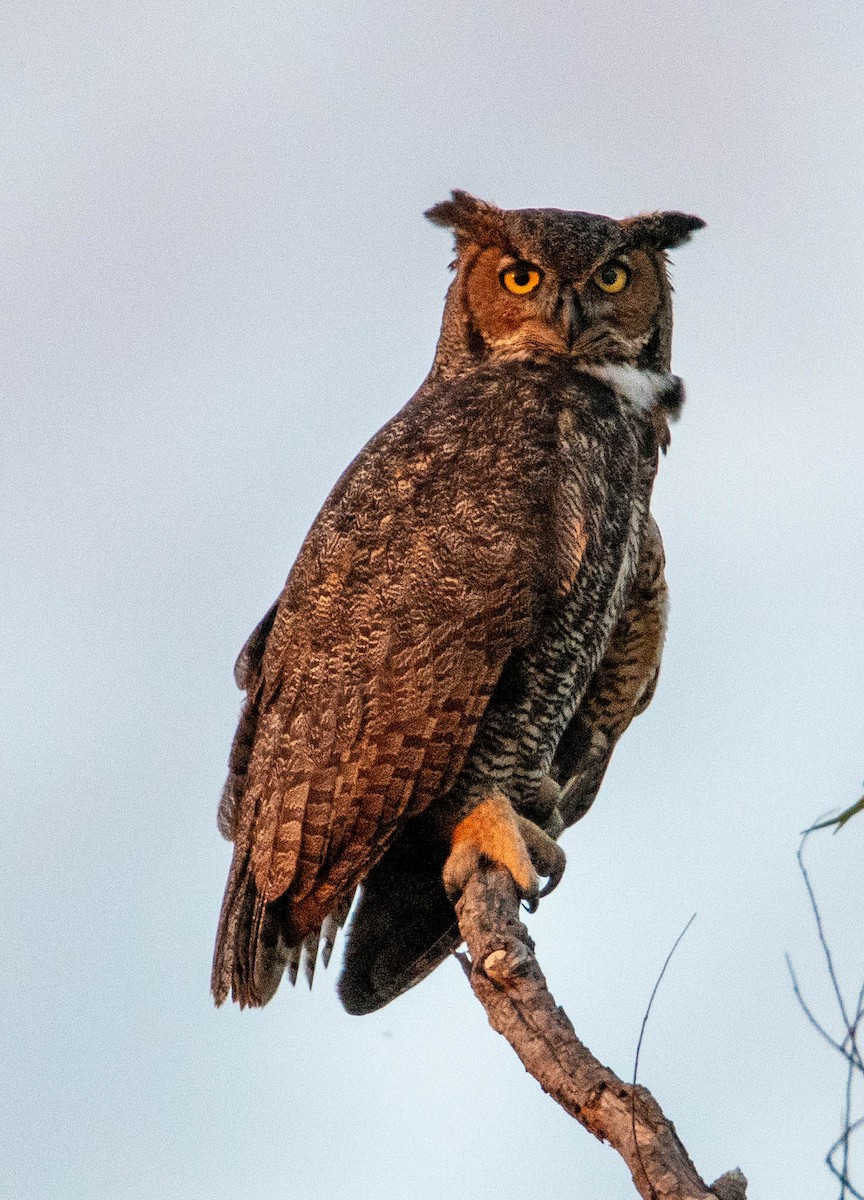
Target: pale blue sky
{"type": "Point", "coordinates": [217, 284]}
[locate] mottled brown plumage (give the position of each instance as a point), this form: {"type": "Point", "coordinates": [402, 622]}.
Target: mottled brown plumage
{"type": "Point", "coordinates": [473, 619]}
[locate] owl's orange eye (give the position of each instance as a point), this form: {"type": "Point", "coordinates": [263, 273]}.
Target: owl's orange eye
{"type": "Point", "coordinates": [521, 278]}
{"type": "Point", "coordinates": [612, 277]}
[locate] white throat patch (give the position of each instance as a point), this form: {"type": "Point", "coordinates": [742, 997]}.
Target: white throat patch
{"type": "Point", "coordinates": [642, 388]}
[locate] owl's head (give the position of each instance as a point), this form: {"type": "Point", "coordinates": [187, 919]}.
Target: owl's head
{"type": "Point", "coordinates": [536, 283]}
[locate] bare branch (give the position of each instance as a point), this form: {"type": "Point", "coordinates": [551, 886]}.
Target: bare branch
{"type": "Point", "coordinates": [848, 1047]}
{"type": "Point", "coordinates": [808, 1013]}
{"type": "Point", "coordinates": [508, 982]}
{"type": "Point", "coordinates": [832, 974]}
{"type": "Point", "coordinates": [840, 1173]}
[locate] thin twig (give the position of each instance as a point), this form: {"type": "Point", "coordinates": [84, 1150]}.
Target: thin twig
{"type": "Point", "coordinates": [848, 1047]}
{"type": "Point", "coordinates": [654, 991]}
{"type": "Point", "coordinates": [838, 1046]}
{"type": "Point", "coordinates": [847, 1121]}
{"type": "Point", "coordinates": [823, 940]}
{"type": "Point", "coordinates": [842, 1177]}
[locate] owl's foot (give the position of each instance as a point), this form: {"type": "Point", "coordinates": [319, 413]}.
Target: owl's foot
{"type": "Point", "coordinates": [545, 810]}
{"type": "Point", "coordinates": [493, 831]}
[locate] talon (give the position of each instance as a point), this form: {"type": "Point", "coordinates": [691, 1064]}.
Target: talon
{"type": "Point", "coordinates": [546, 799]}
{"type": "Point", "coordinates": [545, 808]}
{"type": "Point", "coordinates": [493, 831]}
{"type": "Point", "coordinates": [546, 855]}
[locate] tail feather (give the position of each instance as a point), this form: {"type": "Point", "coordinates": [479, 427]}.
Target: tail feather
{"type": "Point", "coordinates": [319, 943]}
{"type": "Point", "coordinates": [250, 952]}
{"type": "Point", "coordinates": [329, 930]}
{"type": "Point", "coordinates": [333, 922]}
{"type": "Point", "coordinates": [310, 955]}
{"type": "Point", "coordinates": [256, 943]}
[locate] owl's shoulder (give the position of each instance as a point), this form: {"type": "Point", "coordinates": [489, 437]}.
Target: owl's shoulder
{"type": "Point", "coordinates": [451, 428]}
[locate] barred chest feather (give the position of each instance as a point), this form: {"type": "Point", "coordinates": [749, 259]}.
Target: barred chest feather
{"type": "Point", "coordinates": [600, 507]}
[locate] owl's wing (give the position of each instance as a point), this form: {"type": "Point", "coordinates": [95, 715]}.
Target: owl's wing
{"type": "Point", "coordinates": [621, 687]}
{"type": "Point", "coordinates": [365, 690]}
{"type": "Point", "coordinates": [404, 925]}
{"type": "Point", "coordinates": [372, 694]}
{"type": "Point", "coordinates": [248, 673]}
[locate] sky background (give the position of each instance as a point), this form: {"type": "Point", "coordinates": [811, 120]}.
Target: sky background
{"type": "Point", "coordinates": [217, 284]}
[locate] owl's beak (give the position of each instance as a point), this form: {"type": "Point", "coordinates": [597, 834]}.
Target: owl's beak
{"type": "Point", "coordinates": [572, 316]}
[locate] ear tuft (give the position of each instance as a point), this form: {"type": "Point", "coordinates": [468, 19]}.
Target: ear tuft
{"type": "Point", "coordinates": [662, 230]}
{"type": "Point", "coordinates": [471, 219]}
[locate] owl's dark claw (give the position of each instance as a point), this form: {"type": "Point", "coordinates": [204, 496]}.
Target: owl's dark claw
{"type": "Point", "coordinates": [546, 855]}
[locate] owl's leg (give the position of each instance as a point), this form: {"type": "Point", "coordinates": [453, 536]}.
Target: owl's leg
{"type": "Point", "coordinates": [494, 832]}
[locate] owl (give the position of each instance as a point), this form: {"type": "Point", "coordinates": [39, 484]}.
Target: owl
{"type": "Point", "coordinates": [474, 618]}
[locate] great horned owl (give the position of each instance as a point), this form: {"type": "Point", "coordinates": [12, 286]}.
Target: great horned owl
{"type": "Point", "coordinates": [474, 618]}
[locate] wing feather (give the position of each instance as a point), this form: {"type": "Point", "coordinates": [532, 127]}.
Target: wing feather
{"type": "Point", "coordinates": [378, 665]}
{"type": "Point", "coordinates": [248, 674]}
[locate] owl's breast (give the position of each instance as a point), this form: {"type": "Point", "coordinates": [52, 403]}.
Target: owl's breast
{"type": "Point", "coordinates": [583, 504]}
{"type": "Point", "coordinates": [601, 492]}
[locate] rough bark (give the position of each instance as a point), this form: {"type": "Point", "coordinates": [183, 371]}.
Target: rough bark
{"type": "Point", "coordinates": [508, 982]}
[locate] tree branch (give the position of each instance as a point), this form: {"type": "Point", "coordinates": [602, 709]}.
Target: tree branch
{"type": "Point", "coordinates": [508, 982]}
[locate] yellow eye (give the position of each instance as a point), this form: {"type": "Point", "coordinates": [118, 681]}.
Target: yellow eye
{"type": "Point", "coordinates": [521, 278]}
{"type": "Point", "coordinates": [613, 277]}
